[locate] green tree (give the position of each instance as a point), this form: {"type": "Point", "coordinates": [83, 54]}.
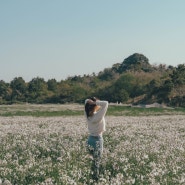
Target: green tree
{"type": "Point", "coordinates": [178, 75]}
{"type": "Point", "coordinates": [126, 82]}
{"type": "Point", "coordinates": [153, 88]}
{"type": "Point", "coordinates": [64, 92]}
{"type": "Point", "coordinates": [120, 90]}
{"type": "Point", "coordinates": [107, 74]}
{"type": "Point", "coordinates": [119, 95]}
{"type": "Point", "coordinates": [4, 91]}
{"type": "Point", "coordinates": [116, 67]}
{"type": "Point", "coordinates": [164, 91]}
{"type": "Point", "coordinates": [52, 85]}
{"type": "Point", "coordinates": [135, 62]}
{"type": "Point", "coordinates": [19, 88]}
{"type": "Point", "coordinates": [78, 94]}
{"type": "Point", "coordinates": [37, 90]}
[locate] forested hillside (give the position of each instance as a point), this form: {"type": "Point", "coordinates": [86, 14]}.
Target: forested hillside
{"type": "Point", "coordinates": [134, 81]}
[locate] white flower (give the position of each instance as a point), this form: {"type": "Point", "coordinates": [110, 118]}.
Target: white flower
{"type": "Point", "coordinates": [7, 182]}
{"type": "Point", "coordinates": [58, 148]}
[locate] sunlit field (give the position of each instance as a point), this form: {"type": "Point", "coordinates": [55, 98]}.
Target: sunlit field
{"type": "Point", "coordinates": [46, 150]}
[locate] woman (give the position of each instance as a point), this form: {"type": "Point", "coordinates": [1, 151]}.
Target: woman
{"type": "Point", "coordinates": [95, 111]}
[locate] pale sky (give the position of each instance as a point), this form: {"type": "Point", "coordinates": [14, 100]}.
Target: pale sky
{"type": "Point", "coordinates": [62, 38]}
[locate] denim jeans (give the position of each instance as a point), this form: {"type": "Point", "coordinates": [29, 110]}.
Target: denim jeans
{"type": "Point", "coordinates": [95, 148]}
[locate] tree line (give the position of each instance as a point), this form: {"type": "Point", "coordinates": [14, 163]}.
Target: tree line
{"type": "Point", "coordinates": [134, 81]}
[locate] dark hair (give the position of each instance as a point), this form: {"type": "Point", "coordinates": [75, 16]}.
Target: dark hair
{"type": "Point", "coordinates": [89, 107]}
{"type": "Point", "coordinates": [93, 98]}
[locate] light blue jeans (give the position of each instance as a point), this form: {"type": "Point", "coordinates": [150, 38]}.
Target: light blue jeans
{"type": "Point", "coordinates": [95, 148]}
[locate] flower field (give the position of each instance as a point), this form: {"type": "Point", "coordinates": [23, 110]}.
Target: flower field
{"type": "Point", "coordinates": [52, 150]}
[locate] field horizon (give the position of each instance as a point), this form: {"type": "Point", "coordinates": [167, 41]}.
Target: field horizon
{"type": "Point", "coordinates": [47, 110]}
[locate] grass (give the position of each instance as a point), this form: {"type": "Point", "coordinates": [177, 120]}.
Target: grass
{"type": "Point", "coordinates": [42, 113]}
{"type": "Point", "coordinates": [135, 111]}
{"type": "Point", "coordinates": [77, 110]}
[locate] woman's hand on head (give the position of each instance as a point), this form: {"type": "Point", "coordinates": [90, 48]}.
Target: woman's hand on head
{"type": "Point", "coordinates": [91, 101]}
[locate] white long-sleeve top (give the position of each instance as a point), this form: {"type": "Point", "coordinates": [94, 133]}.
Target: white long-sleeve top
{"type": "Point", "coordinates": [96, 123]}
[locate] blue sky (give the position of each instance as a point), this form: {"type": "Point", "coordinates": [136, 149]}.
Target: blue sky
{"type": "Point", "coordinates": [62, 38]}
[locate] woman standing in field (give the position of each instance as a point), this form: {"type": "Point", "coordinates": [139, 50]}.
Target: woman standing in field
{"type": "Point", "coordinates": [95, 111]}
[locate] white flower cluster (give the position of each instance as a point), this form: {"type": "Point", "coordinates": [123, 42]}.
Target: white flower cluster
{"type": "Point", "coordinates": [52, 150]}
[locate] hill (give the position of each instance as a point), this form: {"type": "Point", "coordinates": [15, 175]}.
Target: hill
{"type": "Point", "coordinates": [134, 80]}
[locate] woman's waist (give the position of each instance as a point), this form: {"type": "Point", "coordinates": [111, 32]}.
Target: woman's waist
{"type": "Point", "coordinates": [97, 135]}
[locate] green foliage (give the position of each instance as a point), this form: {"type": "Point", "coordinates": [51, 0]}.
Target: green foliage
{"type": "Point", "coordinates": [19, 89]}
{"type": "Point", "coordinates": [178, 101]}
{"type": "Point", "coordinates": [107, 75]}
{"type": "Point", "coordinates": [37, 90]}
{"type": "Point", "coordinates": [135, 62]}
{"type": "Point", "coordinates": [52, 85]}
{"type": "Point", "coordinates": [132, 81]}
{"type": "Point", "coordinates": [5, 92]}
{"type": "Point", "coordinates": [112, 94]}
{"type": "Point", "coordinates": [178, 75]}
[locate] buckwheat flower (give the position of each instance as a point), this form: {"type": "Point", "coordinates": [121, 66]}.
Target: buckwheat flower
{"type": "Point", "coordinates": [103, 180]}
{"type": "Point", "coordinates": [182, 179]}
{"type": "Point", "coordinates": [72, 182]}
{"type": "Point", "coordinates": [133, 181]}
{"type": "Point", "coordinates": [4, 162]}
{"type": "Point", "coordinates": [130, 180]}
{"type": "Point", "coordinates": [91, 181]}
{"type": "Point", "coordinates": [60, 159]}
{"type": "Point", "coordinates": [119, 176]}
{"type": "Point", "coordinates": [145, 156]}
{"type": "Point", "coordinates": [48, 181]}
{"type": "Point", "coordinates": [7, 182]}
{"type": "Point", "coordinates": [160, 150]}
{"type": "Point", "coordinates": [181, 149]}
